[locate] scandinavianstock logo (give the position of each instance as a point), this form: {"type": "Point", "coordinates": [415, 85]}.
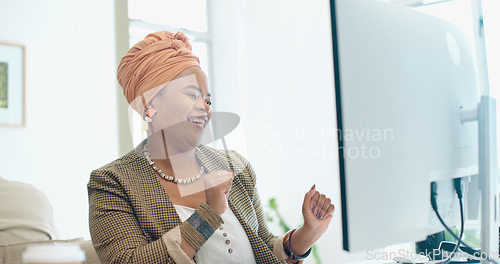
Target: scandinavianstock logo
{"type": "Point", "coordinates": [321, 143]}
{"type": "Point", "coordinates": [428, 254]}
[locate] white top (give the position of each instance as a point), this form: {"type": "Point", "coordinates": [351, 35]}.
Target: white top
{"type": "Point", "coordinates": [227, 245]}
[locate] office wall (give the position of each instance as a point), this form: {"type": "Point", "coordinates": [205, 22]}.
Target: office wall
{"type": "Point", "coordinates": [492, 24]}
{"type": "Point", "coordinates": [70, 101]}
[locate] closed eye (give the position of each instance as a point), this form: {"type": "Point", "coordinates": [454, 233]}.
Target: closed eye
{"type": "Point", "coordinates": [194, 96]}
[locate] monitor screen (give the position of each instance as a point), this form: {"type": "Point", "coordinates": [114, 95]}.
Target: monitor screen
{"type": "Point", "coordinates": [401, 78]}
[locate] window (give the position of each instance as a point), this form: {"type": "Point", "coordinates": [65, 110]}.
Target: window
{"type": "Point", "coordinates": [187, 16]}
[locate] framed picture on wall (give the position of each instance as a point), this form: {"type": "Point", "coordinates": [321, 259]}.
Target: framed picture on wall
{"type": "Point", "coordinates": [11, 84]}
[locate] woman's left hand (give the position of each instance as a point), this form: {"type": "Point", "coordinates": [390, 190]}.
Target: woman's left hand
{"type": "Point", "coordinates": [317, 210]}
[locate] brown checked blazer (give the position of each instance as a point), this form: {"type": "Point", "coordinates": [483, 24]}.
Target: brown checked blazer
{"type": "Point", "coordinates": [129, 211]}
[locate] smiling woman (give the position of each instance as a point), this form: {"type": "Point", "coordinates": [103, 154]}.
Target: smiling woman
{"type": "Point", "coordinates": [174, 200]}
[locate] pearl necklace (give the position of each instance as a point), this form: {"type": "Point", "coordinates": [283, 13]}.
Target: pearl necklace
{"type": "Point", "coordinates": [171, 178]}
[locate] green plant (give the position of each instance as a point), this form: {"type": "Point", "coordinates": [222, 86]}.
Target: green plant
{"type": "Point", "coordinates": [273, 205]}
{"type": "Point", "coordinates": [471, 236]}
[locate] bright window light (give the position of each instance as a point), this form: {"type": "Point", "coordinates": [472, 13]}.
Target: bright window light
{"type": "Point", "coordinates": [186, 14]}
{"type": "Point", "coordinates": [149, 16]}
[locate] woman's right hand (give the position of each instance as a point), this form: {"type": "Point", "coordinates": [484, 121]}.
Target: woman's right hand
{"type": "Point", "coordinates": [217, 187]}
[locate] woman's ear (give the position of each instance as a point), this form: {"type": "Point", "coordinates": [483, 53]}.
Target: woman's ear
{"type": "Point", "coordinates": [149, 113]}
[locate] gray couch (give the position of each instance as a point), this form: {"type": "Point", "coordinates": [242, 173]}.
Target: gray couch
{"type": "Point", "coordinates": [12, 254]}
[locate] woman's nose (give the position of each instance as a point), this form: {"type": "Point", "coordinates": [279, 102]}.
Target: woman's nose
{"type": "Point", "coordinates": [202, 105]}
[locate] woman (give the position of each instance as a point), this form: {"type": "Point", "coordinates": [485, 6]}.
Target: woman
{"type": "Point", "coordinates": [174, 200]}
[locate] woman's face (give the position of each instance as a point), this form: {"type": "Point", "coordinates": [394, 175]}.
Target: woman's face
{"type": "Point", "coordinates": [183, 109]}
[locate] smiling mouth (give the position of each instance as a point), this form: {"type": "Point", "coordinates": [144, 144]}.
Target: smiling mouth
{"type": "Point", "coordinates": [199, 121]}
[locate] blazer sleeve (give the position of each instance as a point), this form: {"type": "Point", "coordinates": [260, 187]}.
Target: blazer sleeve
{"type": "Point", "coordinates": [115, 231]}
{"type": "Point", "coordinates": [275, 243]}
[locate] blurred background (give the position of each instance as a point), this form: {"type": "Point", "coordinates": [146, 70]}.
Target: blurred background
{"type": "Point", "coordinates": [269, 61]}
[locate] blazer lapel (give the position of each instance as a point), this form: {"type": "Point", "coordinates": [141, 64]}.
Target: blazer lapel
{"type": "Point", "coordinates": [238, 197]}
{"type": "Point", "coordinates": [239, 201]}
{"type": "Point", "coordinates": [154, 197]}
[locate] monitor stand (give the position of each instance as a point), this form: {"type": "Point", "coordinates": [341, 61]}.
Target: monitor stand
{"type": "Point", "coordinates": [485, 115]}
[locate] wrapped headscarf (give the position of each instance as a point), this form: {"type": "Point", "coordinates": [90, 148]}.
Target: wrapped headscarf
{"type": "Point", "coordinates": [152, 63]}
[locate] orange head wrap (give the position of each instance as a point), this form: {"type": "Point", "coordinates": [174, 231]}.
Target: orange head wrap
{"type": "Point", "coordinates": [151, 63]}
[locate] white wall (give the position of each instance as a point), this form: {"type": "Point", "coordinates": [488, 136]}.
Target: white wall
{"type": "Point", "coordinates": [70, 101]}
{"type": "Point", "coordinates": [492, 36]}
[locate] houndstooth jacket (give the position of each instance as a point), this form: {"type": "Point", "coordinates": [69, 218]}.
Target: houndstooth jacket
{"type": "Point", "coordinates": [132, 219]}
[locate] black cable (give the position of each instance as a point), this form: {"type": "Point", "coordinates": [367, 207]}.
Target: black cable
{"type": "Point", "coordinates": [455, 250]}
{"type": "Point", "coordinates": [458, 189]}
{"type": "Point", "coordinates": [434, 207]}
{"type": "Point", "coordinates": [457, 183]}
{"type": "Point", "coordinates": [456, 237]}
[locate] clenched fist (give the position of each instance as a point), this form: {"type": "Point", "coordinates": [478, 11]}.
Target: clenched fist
{"type": "Point", "coordinates": [217, 186]}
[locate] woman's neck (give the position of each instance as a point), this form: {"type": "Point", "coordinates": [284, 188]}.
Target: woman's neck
{"type": "Point", "coordinates": [171, 159]}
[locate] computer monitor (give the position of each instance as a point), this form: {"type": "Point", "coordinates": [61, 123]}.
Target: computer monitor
{"type": "Point", "coordinates": [401, 79]}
